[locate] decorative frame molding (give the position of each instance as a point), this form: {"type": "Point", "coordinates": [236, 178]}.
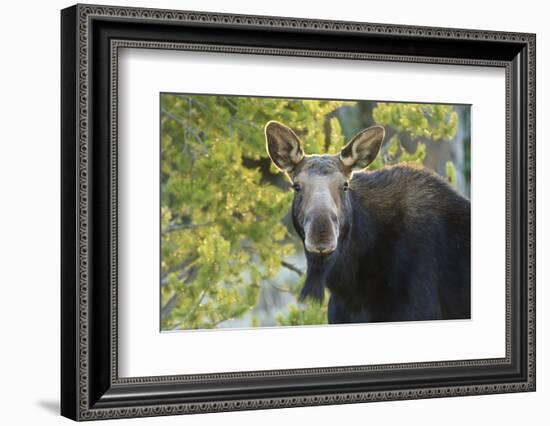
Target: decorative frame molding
{"type": "Point", "coordinates": [91, 37]}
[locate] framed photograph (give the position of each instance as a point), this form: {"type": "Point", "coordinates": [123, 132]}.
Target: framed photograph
{"type": "Point", "coordinates": [263, 212]}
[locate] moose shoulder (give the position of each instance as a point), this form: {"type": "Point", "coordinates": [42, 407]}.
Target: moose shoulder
{"type": "Point", "coordinates": [390, 245]}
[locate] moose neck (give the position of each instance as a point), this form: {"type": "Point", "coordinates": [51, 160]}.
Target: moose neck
{"type": "Point", "coordinates": [338, 272]}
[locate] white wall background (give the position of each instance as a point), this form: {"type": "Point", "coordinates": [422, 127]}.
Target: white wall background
{"type": "Point", "coordinates": [29, 212]}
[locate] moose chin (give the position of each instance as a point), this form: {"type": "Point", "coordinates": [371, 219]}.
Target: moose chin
{"type": "Point", "coordinates": [390, 245]}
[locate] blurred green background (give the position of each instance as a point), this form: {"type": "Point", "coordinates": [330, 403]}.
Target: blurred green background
{"type": "Point", "coordinates": [229, 255]}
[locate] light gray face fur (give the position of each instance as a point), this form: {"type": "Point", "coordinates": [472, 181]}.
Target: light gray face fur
{"type": "Point", "coordinates": [321, 207]}
{"type": "Point", "coordinates": [320, 181]}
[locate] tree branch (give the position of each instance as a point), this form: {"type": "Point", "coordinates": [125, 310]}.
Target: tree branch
{"type": "Point", "coordinates": [195, 101]}
{"type": "Point", "coordinates": [187, 276]}
{"type": "Point", "coordinates": [178, 226]}
{"type": "Point", "coordinates": [186, 127]}
{"type": "Point", "coordinates": [182, 265]}
{"type": "Point", "coordinates": [292, 267]}
{"type": "Point", "coordinates": [276, 287]}
{"type": "Point", "coordinates": [197, 305]}
{"type": "Point", "coordinates": [169, 306]}
{"type": "Point", "coordinates": [231, 104]}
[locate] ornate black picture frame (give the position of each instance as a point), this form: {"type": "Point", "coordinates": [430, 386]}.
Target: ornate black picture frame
{"type": "Point", "coordinates": [91, 387]}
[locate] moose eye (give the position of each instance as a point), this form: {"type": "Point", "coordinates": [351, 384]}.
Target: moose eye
{"type": "Point", "coordinates": [346, 186]}
{"type": "Point", "coordinates": [296, 187]}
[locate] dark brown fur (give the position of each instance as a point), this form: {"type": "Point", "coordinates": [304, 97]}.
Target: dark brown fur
{"type": "Point", "coordinates": [390, 245]}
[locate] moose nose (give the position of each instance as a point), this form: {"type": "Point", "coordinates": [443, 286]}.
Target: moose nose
{"type": "Point", "coordinates": [322, 249]}
{"type": "Point", "coordinates": [321, 234]}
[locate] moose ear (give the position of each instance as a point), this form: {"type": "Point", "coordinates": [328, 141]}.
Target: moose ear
{"type": "Point", "coordinates": [363, 148]}
{"type": "Point", "coordinates": [283, 146]}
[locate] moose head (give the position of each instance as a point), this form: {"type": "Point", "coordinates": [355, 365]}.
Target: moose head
{"type": "Point", "coordinates": [321, 207]}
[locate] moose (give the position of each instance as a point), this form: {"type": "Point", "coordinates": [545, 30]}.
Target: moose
{"type": "Point", "coordinates": [392, 244]}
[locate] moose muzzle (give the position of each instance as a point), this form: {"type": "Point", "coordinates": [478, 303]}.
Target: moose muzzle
{"type": "Point", "coordinates": [321, 234]}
